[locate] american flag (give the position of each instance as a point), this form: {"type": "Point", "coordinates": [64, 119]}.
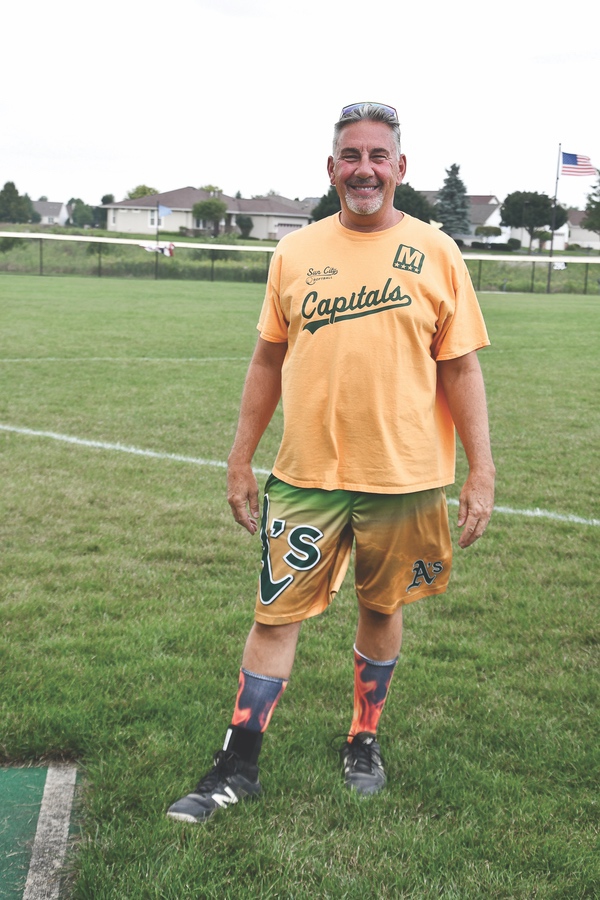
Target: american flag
{"type": "Point", "coordinates": [573, 164]}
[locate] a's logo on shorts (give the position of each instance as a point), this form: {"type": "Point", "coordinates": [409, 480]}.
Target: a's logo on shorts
{"type": "Point", "coordinates": [302, 556]}
{"type": "Point", "coordinates": [424, 572]}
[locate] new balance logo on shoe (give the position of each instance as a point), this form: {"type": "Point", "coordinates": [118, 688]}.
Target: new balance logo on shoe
{"type": "Point", "coordinates": [230, 780]}
{"type": "Point", "coordinates": [226, 798]}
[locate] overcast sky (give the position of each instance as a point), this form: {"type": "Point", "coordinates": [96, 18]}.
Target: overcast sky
{"type": "Point", "coordinates": [100, 97]}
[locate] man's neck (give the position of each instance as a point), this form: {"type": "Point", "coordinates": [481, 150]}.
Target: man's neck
{"type": "Point", "coordinates": [379, 221]}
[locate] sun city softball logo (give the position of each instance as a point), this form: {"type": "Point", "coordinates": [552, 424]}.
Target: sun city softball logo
{"type": "Point", "coordinates": [314, 275]}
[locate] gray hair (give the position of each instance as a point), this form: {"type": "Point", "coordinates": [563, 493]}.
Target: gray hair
{"type": "Point", "coordinates": [373, 112]}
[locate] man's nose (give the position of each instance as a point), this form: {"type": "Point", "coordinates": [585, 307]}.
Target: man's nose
{"type": "Point", "coordinates": [364, 168]}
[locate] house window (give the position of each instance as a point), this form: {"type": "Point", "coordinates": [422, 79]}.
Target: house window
{"type": "Point", "coordinates": [50, 220]}
{"type": "Point", "coordinates": [114, 217]}
{"type": "Point", "coordinates": [152, 219]}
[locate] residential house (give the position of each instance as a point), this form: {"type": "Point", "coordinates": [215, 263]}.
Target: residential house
{"type": "Point", "coordinates": [272, 216]}
{"type": "Point", "coordinates": [588, 240]}
{"type": "Point", "coordinates": [485, 210]}
{"type": "Point", "coordinates": [51, 213]}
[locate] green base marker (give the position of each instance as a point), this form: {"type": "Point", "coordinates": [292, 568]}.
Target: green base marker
{"type": "Point", "coordinates": [52, 834]}
{"type": "Point", "coordinates": [21, 791]}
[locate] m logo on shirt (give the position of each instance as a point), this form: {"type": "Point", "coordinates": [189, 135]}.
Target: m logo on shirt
{"type": "Point", "coordinates": [408, 259]}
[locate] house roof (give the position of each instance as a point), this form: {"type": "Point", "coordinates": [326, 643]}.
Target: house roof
{"type": "Point", "coordinates": [481, 206]}
{"type": "Point", "coordinates": [576, 216]}
{"type": "Point", "coordinates": [47, 207]}
{"type": "Point", "coordinates": [185, 199]}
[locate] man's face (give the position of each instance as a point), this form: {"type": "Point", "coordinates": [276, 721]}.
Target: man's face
{"type": "Point", "coordinates": [365, 168]}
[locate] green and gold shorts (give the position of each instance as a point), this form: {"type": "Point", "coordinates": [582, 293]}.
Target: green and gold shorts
{"type": "Point", "coordinates": [402, 549]}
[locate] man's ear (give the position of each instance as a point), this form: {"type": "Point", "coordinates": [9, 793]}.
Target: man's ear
{"type": "Point", "coordinates": [330, 170]}
{"type": "Point", "coordinates": [401, 169]}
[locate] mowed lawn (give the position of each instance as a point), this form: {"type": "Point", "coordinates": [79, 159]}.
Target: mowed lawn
{"type": "Point", "coordinates": [126, 591]}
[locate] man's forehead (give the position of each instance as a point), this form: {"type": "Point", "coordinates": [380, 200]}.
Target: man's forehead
{"type": "Point", "coordinates": [366, 135]}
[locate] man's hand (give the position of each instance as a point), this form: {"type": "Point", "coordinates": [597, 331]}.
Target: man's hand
{"type": "Point", "coordinates": [242, 496]}
{"type": "Point", "coordinates": [475, 506]}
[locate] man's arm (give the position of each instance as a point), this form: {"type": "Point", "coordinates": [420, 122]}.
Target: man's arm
{"type": "Point", "coordinates": [462, 381]}
{"type": "Point", "coordinates": [262, 390]}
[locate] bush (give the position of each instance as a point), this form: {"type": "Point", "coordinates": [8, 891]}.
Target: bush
{"type": "Point", "coordinates": [513, 244]}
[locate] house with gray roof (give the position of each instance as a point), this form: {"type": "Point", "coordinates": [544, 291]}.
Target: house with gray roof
{"type": "Point", "coordinates": [51, 213]}
{"type": "Point", "coordinates": [272, 216]}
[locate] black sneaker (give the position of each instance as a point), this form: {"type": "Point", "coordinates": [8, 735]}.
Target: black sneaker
{"type": "Point", "coordinates": [363, 765]}
{"type": "Point", "coordinates": [231, 779]}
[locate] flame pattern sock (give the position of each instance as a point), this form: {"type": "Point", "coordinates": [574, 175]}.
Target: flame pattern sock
{"type": "Point", "coordinates": [256, 700]}
{"type": "Point", "coordinates": [371, 684]}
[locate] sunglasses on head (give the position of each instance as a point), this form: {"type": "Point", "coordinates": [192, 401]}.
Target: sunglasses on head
{"type": "Point", "coordinates": [348, 110]}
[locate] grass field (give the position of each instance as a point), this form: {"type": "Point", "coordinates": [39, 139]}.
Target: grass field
{"type": "Point", "coordinates": [126, 593]}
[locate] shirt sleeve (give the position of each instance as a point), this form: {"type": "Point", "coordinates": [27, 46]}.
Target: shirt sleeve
{"type": "Point", "coordinates": [272, 323]}
{"type": "Point", "coordinates": [462, 327]}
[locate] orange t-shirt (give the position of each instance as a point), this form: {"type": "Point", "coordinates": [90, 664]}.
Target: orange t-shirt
{"type": "Point", "coordinates": [366, 316]}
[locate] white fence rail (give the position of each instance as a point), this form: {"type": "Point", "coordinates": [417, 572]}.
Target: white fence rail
{"type": "Point", "coordinates": [534, 273]}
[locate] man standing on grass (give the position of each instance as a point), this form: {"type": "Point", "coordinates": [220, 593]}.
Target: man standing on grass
{"type": "Point", "coordinates": [368, 332]}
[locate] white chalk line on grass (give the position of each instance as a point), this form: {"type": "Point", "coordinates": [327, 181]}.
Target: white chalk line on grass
{"type": "Point", "coordinates": [124, 359]}
{"type": "Point", "coordinates": [52, 834]}
{"type": "Point", "coordinates": [121, 448]}
{"type": "Point", "coordinates": [216, 463]}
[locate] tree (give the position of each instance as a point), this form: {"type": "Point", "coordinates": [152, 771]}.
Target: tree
{"type": "Point", "coordinates": [413, 203]}
{"type": "Point", "coordinates": [212, 211]}
{"type": "Point", "coordinates": [245, 224]}
{"type": "Point", "coordinates": [452, 206]}
{"type": "Point", "coordinates": [142, 190]}
{"type": "Point", "coordinates": [211, 189]}
{"type": "Point", "coordinates": [591, 220]}
{"type": "Point", "coordinates": [327, 205]}
{"type": "Point", "coordinates": [80, 213]}
{"type": "Point", "coordinates": [542, 237]}
{"type": "Point", "coordinates": [531, 211]}
{"type": "Point", "coordinates": [488, 231]}
{"type": "Point", "coordinates": [33, 216]}
{"type": "Point", "coordinates": [101, 215]}
{"type": "Point", "coordinates": [15, 207]}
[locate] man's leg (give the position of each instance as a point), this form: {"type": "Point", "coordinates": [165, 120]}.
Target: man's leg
{"type": "Point", "coordinates": [266, 665]}
{"type": "Point", "coordinates": [379, 636]}
{"type": "Point", "coordinates": [378, 641]}
{"type": "Point", "coordinates": [270, 649]}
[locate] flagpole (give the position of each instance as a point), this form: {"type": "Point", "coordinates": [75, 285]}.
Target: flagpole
{"type": "Point", "coordinates": [553, 217]}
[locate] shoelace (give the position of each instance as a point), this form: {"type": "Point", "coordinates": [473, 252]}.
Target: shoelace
{"type": "Point", "coordinates": [224, 765]}
{"type": "Point", "coordinates": [362, 754]}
